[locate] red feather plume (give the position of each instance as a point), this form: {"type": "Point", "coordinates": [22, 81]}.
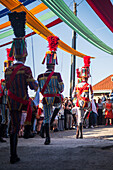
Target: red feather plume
{"type": "Point", "coordinates": [8, 52]}
{"type": "Point", "coordinates": [87, 61]}
{"type": "Point", "coordinates": [53, 43]}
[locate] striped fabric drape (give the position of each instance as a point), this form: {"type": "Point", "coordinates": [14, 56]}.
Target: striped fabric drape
{"type": "Point", "coordinates": [42, 18]}
{"type": "Point", "coordinates": [34, 11]}
{"type": "Point", "coordinates": [66, 15]}
{"type": "Point", "coordinates": [37, 26]}
{"type": "Point", "coordinates": [5, 11]}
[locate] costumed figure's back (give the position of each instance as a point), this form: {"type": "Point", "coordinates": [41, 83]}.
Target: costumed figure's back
{"type": "Point", "coordinates": [18, 84]}
{"type": "Point", "coordinates": [51, 85]}
{"type": "Point", "coordinates": [18, 77]}
{"type": "Point", "coordinates": [52, 92]}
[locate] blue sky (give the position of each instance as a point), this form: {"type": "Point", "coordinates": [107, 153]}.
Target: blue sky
{"type": "Point", "coordinates": [101, 66]}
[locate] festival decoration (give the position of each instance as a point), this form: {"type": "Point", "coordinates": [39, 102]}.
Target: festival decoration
{"type": "Point", "coordinates": [38, 27]}
{"type": "Point", "coordinates": [51, 24]}
{"type": "Point", "coordinates": [104, 10]}
{"type": "Point", "coordinates": [66, 15]}
{"type": "Point", "coordinates": [5, 11]}
{"type": "Point", "coordinates": [42, 18]}
{"type": "Point", "coordinates": [39, 8]}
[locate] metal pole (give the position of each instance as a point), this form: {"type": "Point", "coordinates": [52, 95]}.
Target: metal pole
{"type": "Point", "coordinates": [73, 58]}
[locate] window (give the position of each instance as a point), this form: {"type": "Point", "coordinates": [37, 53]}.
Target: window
{"type": "Point", "coordinates": [111, 78]}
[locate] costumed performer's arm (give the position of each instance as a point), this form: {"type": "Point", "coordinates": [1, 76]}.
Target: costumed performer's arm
{"type": "Point", "coordinates": [60, 83]}
{"type": "Point", "coordinates": [32, 83]}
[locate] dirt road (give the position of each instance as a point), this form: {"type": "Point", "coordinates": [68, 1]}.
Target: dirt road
{"type": "Point", "coordinates": [94, 152]}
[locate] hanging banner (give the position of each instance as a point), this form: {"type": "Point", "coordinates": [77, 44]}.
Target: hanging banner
{"type": "Point", "coordinates": [6, 11]}
{"type": "Point", "coordinates": [66, 15]}
{"type": "Point", "coordinates": [51, 24]}
{"type": "Point", "coordinates": [42, 18]}
{"type": "Point", "coordinates": [104, 9]}
{"type": "Point", "coordinates": [34, 11]}
{"type": "Point", "coordinates": [37, 26]}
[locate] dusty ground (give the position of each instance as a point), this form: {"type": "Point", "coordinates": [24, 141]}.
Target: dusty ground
{"type": "Point", "coordinates": [94, 152]}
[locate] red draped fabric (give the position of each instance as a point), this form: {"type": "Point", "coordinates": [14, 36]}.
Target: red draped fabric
{"type": "Point", "coordinates": [104, 9]}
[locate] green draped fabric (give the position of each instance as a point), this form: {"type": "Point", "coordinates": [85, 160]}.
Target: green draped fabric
{"type": "Point", "coordinates": [65, 14]}
{"type": "Point", "coordinates": [42, 18]}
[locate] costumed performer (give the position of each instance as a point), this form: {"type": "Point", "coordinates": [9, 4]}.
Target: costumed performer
{"type": "Point", "coordinates": [18, 77]}
{"type": "Point", "coordinates": [51, 86]}
{"type": "Point", "coordinates": [83, 91]}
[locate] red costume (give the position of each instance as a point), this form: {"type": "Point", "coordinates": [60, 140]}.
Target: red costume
{"type": "Point", "coordinates": [108, 111]}
{"type": "Point", "coordinates": [82, 92]}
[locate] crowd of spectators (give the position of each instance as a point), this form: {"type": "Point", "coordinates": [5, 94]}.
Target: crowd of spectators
{"type": "Point", "coordinates": [66, 118]}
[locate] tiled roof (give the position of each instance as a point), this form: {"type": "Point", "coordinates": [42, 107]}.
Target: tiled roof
{"type": "Point", "coordinates": [106, 84]}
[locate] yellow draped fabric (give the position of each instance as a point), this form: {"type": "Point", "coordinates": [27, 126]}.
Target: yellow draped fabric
{"type": "Point", "coordinates": [34, 11]}
{"type": "Point", "coordinates": [36, 25]}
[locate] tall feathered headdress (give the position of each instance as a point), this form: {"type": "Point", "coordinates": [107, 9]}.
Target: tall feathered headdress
{"type": "Point", "coordinates": [87, 61]}
{"type": "Point", "coordinates": [85, 70]}
{"type": "Point", "coordinates": [18, 20]}
{"type": "Point", "coordinates": [51, 55]}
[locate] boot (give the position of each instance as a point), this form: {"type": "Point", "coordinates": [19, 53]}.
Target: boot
{"type": "Point", "coordinates": [13, 149]}
{"type": "Point", "coordinates": [2, 140]}
{"type": "Point", "coordinates": [42, 130]}
{"type": "Point", "coordinates": [4, 131]}
{"type": "Point", "coordinates": [1, 134]}
{"type": "Point", "coordinates": [81, 133]}
{"type": "Point", "coordinates": [77, 132]}
{"type": "Point", "coordinates": [47, 141]}
{"type": "Point", "coordinates": [27, 132]}
{"type": "Point", "coordinates": [85, 115]}
{"type": "Point", "coordinates": [54, 115]}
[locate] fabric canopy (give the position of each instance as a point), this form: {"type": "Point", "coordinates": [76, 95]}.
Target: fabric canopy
{"type": "Point", "coordinates": [66, 15]}
{"type": "Point", "coordinates": [6, 11]}
{"type": "Point", "coordinates": [42, 18]}
{"type": "Point", "coordinates": [37, 26]}
{"type": "Point", "coordinates": [104, 9]}
{"type": "Point", "coordinates": [51, 24]}
{"type": "Point", "coordinates": [34, 11]}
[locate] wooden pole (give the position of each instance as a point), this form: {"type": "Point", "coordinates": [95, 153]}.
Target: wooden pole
{"type": "Point", "coordinates": [73, 58]}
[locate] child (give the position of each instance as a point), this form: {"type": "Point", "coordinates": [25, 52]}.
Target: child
{"type": "Point", "coordinates": [23, 118]}
{"type": "Point", "coordinates": [61, 119]}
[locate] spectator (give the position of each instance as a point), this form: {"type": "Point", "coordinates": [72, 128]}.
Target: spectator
{"type": "Point", "coordinates": [108, 111]}
{"type": "Point", "coordinates": [100, 111]}
{"type": "Point", "coordinates": [4, 111]}
{"type": "Point", "coordinates": [74, 114]}
{"type": "Point", "coordinates": [111, 96]}
{"type": "Point", "coordinates": [93, 114]}
{"type": "Point", "coordinates": [69, 115]}
{"type": "Point", "coordinates": [55, 124]}
{"type": "Point", "coordinates": [65, 112]}
{"type": "Point", "coordinates": [23, 118]}
{"type": "Point", "coordinates": [40, 118]}
{"type": "Point", "coordinates": [103, 98]}
{"type": "Point", "coordinates": [61, 119]}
